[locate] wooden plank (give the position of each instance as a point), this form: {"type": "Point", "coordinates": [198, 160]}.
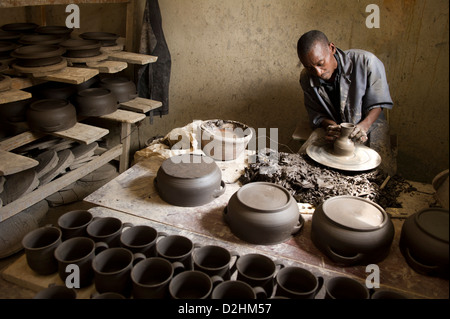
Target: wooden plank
{"type": "Point", "coordinates": [82, 133]}
{"type": "Point", "coordinates": [141, 105]}
{"type": "Point", "coordinates": [108, 66]}
{"type": "Point", "coordinates": [19, 140]}
{"type": "Point", "coordinates": [44, 191]}
{"type": "Point", "coordinates": [123, 116]}
{"type": "Point", "coordinates": [13, 95]}
{"type": "Point", "coordinates": [72, 75]}
{"type": "Point", "coordinates": [11, 163]}
{"type": "Point", "coordinates": [132, 58]}
{"type": "Point", "coordinates": [23, 83]}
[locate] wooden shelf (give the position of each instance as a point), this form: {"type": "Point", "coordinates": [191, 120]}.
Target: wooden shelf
{"type": "Point", "coordinates": [140, 105]}
{"type": "Point", "coordinates": [25, 3]}
{"type": "Point", "coordinates": [13, 95]}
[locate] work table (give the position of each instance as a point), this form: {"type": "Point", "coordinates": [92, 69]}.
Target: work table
{"type": "Point", "coordinates": [132, 196]}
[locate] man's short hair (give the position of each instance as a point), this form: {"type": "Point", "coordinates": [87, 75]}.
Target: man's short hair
{"type": "Point", "coordinates": [308, 39]}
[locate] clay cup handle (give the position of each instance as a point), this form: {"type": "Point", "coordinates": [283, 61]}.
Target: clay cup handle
{"type": "Point", "coordinates": [345, 259]}
{"type": "Point", "coordinates": [99, 247]}
{"type": "Point", "coordinates": [299, 226]}
{"type": "Point", "coordinates": [260, 292]}
{"type": "Point", "coordinates": [137, 257]}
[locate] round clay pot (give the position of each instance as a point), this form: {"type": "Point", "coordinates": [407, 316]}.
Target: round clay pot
{"type": "Point", "coordinates": [123, 88]}
{"type": "Point", "coordinates": [51, 115]}
{"type": "Point", "coordinates": [189, 180]}
{"type": "Point", "coordinates": [77, 48]}
{"type": "Point", "coordinates": [21, 27]}
{"type": "Point", "coordinates": [55, 30]}
{"type": "Point", "coordinates": [9, 36]}
{"type": "Point", "coordinates": [96, 102]}
{"type": "Point", "coordinates": [38, 55]}
{"type": "Point", "coordinates": [263, 213]}
{"type": "Point", "coordinates": [6, 48]}
{"type": "Point", "coordinates": [105, 38]}
{"type": "Point", "coordinates": [224, 140]}
{"type": "Point", "coordinates": [424, 242]}
{"type": "Point", "coordinates": [14, 111]}
{"type": "Point", "coordinates": [43, 39]}
{"type": "Point", "coordinates": [352, 230]}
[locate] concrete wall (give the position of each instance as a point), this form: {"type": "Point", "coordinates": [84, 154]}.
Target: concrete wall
{"type": "Point", "coordinates": [236, 59]}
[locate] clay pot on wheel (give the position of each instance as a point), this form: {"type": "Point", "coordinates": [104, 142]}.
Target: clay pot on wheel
{"type": "Point", "coordinates": [123, 88]}
{"type": "Point", "coordinates": [352, 230]}
{"type": "Point", "coordinates": [96, 102]}
{"type": "Point", "coordinates": [344, 146]}
{"type": "Point", "coordinates": [189, 180]}
{"type": "Point", "coordinates": [263, 213]}
{"type": "Point", "coordinates": [51, 115]}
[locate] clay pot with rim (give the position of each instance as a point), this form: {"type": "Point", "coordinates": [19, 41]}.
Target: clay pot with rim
{"type": "Point", "coordinates": [20, 27]}
{"type": "Point", "coordinates": [123, 88]}
{"type": "Point", "coordinates": [352, 230]}
{"type": "Point", "coordinates": [343, 145]}
{"type": "Point", "coordinates": [189, 180]}
{"type": "Point", "coordinates": [42, 39]}
{"type": "Point", "coordinates": [51, 115]}
{"type": "Point", "coordinates": [105, 38]}
{"type": "Point", "coordinates": [55, 30]}
{"type": "Point", "coordinates": [424, 242]}
{"type": "Point", "coordinates": [96, 102]}
{"type": "Point", "coordinates": [263, 213]}
{"type": "Point", "coordinates": [38, 55]}
{"type": "Point", "coordinates": [78, 48]}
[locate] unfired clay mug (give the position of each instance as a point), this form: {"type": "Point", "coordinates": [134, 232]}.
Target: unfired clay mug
{"type": "Point", "coordinates": [258, 271]}
{"type": "Point", "coordinates": [107, 230]}
{"type": "Point", "coordinates": [215, 261]}
{"type": "Point", "coordinates": [192, 284]}
{"type": "Point", "coordinates": [141, 239]}
{"type": "Point", "coordinates": [297, 283]}
{"type": "Point", "coordinates": [151, 277]}
{"type": "Point", "coordinates": [79, 251]}
{"type": "Point", "coordinates": [345, 288]}
{"type": "Point", "coordinates": [236, 289]}
{"type": "Point", "coordinates": [176, 248]}
{"type": "Point", "coordinates": [40, 245]}
{"type": "Point", "coordinates": [74, 223]}
{"type": "Point", "coordinates": [112, 270]}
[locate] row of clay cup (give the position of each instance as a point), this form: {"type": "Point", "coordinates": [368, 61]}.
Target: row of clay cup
{"type": "Point", "coordinates": [140, 262]}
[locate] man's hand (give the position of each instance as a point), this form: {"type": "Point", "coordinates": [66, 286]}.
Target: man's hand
{"type": "Point", "coordinates": [332, 132]}
{"type": "Point", "coordinates": [359, 134]}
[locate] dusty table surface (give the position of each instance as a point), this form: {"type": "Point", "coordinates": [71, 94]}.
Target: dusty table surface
{"type": "Point", "coordinates": [133, 193]}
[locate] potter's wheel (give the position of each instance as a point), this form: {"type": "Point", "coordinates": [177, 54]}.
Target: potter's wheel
{"type": "Point", "coordinates": [364, 158]}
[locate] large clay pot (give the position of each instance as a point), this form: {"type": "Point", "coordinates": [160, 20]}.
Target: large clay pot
{"type": "Point", "coordinates": [189, 180]}
{"type": "Point", "coordinates": [51, 115]}
{"type": "Point", "coordinates": [96, 102]}
{"type": "Point", "coordinates": [344, 146]}
{"type": "Point", "coordinates": [78, 48]}
{"type": "Point", "coordinates": [263, 213]}
{"type": "Point", "coordinates": [123, 88]}
{"type": "Point", "coordinates": [38, 55]}
{"type": "Point", "coordinates": [352, 230]}
{"type": "Point", "coordinates": [424, 242]}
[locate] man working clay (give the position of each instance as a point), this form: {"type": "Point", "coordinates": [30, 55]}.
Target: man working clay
{"type": "Point", "coordinates": [345, 86]}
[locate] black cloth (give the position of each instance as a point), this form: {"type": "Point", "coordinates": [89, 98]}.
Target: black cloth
{"type": "Point", "coordinates": [153, 78]}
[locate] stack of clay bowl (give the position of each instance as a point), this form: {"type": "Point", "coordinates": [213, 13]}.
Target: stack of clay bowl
{"type": "Point", "coordinates": [80, 48]}
{"type": "Point", "coordinates": [43, 39]}
{"type": "Point", "coordinates": [106, 39]}
{"type": "Point", "coordinates": [6, 48]}
{"type": "Point", "coordinates": [9, 36]}
{"type": "Point", "coordinates": [38, 55]}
